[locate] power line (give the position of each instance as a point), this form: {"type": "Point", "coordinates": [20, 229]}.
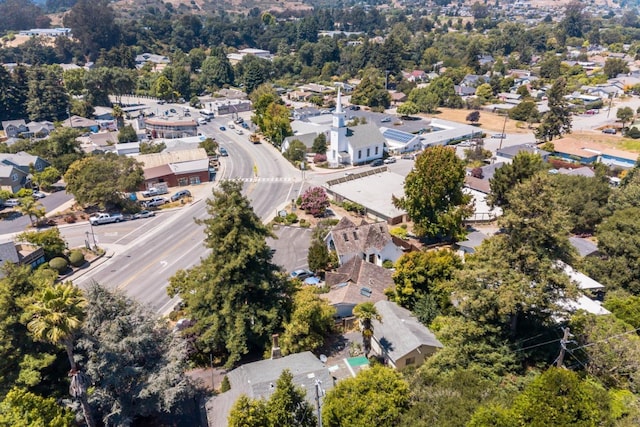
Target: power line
{"type": "Point", "coordinates": [538, 345]}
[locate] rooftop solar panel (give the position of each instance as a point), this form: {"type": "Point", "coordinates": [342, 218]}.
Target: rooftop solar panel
{"type": "Point", "coordinates": [398, 135]}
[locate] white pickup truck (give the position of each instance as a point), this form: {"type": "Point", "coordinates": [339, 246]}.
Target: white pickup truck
{"type": "Point", "coordinates": [105, 218]}
{"type": "Point", "coordinates": [155, 191]}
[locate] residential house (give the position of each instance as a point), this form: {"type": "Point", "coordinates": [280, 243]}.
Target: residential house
{"type": "Point", "coordinates": [307, 139]}
{"type": "Point", "coordinates": [236, 57]}
{"type": "Point", "coordinates": [417, 76]}
{"type": "Point", "coordinates": [305, 112]}
{"type": "Point", "coordinates": [78, 122]}
{"type": "Point", "coordinates": [39, 129]}
{"type": "Point", "coordinates": [354, 145]}
{"type": "Point", "coordinates": [13, 179]}
{"type": "Point", "coordinates": [24, 161]}
{"type": "Point", "coordinates": [506, 154]}
{"type": "Point", "coordinates": [464, 91]}
{"type": "Point", "coordinates": [397, 96]}
{"type": "Point", "coordinates": [354, 282]}
{"type": "Point", "coordinates": [258, 380]}
{"type": "Point", "coordinates": [473, 240]}
{"type": "Point", "coordinates": [588, 153]}
{"type": "Point", "coordinates": [400, 338]}
{"type": "Point", "coordinates": [370, 242]}
{"type": "Point", "coordinates": [21, 254]}
{"type": "Point", "coordinates": [584, 247]}
{"type": "Point", "coordinates": [14, 128]}
{"type": "Point", "coordinates": [473, 80]}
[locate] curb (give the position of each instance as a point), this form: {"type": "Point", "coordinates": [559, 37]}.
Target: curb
{"type": "Point", "coordinates": [95, 263]}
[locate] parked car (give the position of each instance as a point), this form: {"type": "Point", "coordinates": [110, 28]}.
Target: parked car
{"type": "Point", "coordinates": [610, 131]}
{"type": "Point", "coordinates": [38, 195]}
{"type": "Point", "coordinates": [155, 202]}
{"type": "Point", "coordinates": [408, 156]}
{"type": "Point", "coordinates": [245, 125]}
{"type": "Point", "coordinates": [301, 274]}
{"type": "Point", "coordinates": [354, 107]}
{"type": "Point", "coordinates": [376, 162]}
{"type": "Point", "coordinates": [180, 195]}
{"type": "Point", "coordinates": [11, 203]}
{"type": "Point", "coordinates": [390, 160]}
{"type": "Point", "coordinates": [154, 191]}
{"type": "Point", "coordinates": [498, 136]}
{"type": "Point", "coordinates": [223, 128]}
{"type": "Point", "coordinates": [223, 152]}
{"type": "Point", "coordinates": [144, 214]}
{"type": "Point", "coordinates": [202, 121]}
{"type": "Point", "coordinates": [386, 119]}
{"type": "Point", "coordinates": [105, 218]}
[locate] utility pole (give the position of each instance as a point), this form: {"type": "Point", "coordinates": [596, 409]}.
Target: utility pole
{"type": "Point", "coordinates": [563, 346]}
{"type": "Point", "coordinates": [319, 392]}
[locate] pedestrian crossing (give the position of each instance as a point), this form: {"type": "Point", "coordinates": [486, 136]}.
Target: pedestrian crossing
{"type": "Point", "coordinates": [265, 179]}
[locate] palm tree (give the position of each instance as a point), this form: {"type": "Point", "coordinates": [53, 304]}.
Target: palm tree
{"type": "Point", "coordinates": [366, 312]}
{"type": "Point", "coordinates": [33, 208]}
{"type": "Point", "coordinates": [56, 316]}
{"type": "Point", "coordinates": [118, 115]}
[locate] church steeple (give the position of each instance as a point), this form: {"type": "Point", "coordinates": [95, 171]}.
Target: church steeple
{"type": "Point", "coordinates": [339, 102]}
{"type": "Point", "coordinates": [339, 114]}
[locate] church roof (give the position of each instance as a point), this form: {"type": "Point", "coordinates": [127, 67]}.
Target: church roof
{"type": "Point", "coordinates": [364, 135]}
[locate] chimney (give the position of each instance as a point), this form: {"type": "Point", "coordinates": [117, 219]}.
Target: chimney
{"type": "Point", "coordinates": [275, 349]}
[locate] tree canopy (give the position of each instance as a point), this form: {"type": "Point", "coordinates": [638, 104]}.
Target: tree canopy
{"type": "Point", "coordinates": [433, 197]}
{"type": "Point", "coordinates": [236, 295]}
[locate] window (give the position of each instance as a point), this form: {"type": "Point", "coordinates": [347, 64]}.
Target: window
{"type": "Point", "coordinates": [377, 150]}
{"type": "Point", "coordinates": [368, 152]}
{"type": "Point", "coordinates": [194, 180]}
{"type": "Point", "coordinates": [410, 361]}
{"type": "Point", "coordinates": [359, 154]}
{"type": "Point", "coordinates": [14, 177]}
{"type": "Point", "coordinates": [372, 258]}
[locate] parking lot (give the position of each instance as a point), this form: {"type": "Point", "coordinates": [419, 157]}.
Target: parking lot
{"type": "Point", "coordinates": [291, 247]}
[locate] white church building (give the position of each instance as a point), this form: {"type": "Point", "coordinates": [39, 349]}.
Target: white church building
{"type": "Point", "coordinates": [353, 145]}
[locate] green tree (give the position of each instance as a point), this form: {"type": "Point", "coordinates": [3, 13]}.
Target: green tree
{"type": "Point", "coordinates": [237, 296]}
{"type": "Point", "coordinates": [133, 360]}
{"type": "Point", "coordinates": [408, 109]}
{"type": "Point", "coordinates": [615, 66]}
{"type": "Point", "coordinates": [21, 408]}
{"type": "Point", "coordinates": [262, 97]}
{"type": "Point", "coordinates": [625, 115]}
{"type": "Point", "coordinates": [247, 412]}
{"type": "Point", "coordinates": [50, 240]}
{"type": "Point", "coordinates": [625, 308]}
{"type": "Point", "coordinates": [253, 72]}
{"type": "Point", "coordinates": [102, 179]}
{"type": "Point", "coordinates": [287, 406]}
{"type": "Point", "coordinates": [210, 146]}
{"type": "Point", "coordinates": [619, 244]}
{"type": "Point", "coordinates": [558, 397]}
{"type": "Point", "coordinates": [526, 111]}
{"type": "Point", "coordinates": [376, 396]}
{"type": "Point", "coordinates": [92, 24]}
{"type": "Point", "coordinates": [56, 316]}
{"type": "Point", "coordinates": [433, 194]}
{"type": "Point", "coordinates": [163, 88]}
{"type": "Point", "coordinates": [320, 144]}
{"type": "Point", "coordinates": [585, 198]}
{"type": "Point", "coordinates": [611, 349]}
{"type": "Point", "coordinates": [217, 71]}
{"type": "Point", "coordinates": [427, 101]}
{"type": "Point", "coordinates": [366, 313]}
{"type": "Point", "coordinates": [31, 207]}
{"type": "Point", "coordinates": [371, 91]}
{"type": "Point", "coordinates": [424, 272]}
{"type": "Point", "coordinates": [444, 89]}
{"type": "Point", "coordinates": [276, 124]}
{"type": "Point", "coordinates": [61, 148]}
{"type": "Point", "coordinates": [557, 121]}
{"type": "Point", "coordinates": [522, 168]}
{"type": "Point", "coordinates": [296, 152]}
{"type": "Point", "coordinates": [127, 134]}
{"type": "Point", "coordinates": [473, 117]}
{"type": "Point", "coordinates": [484, 92]}
{"type": "Point", "coordinates": [310, 323]}
{"type": "Point", "coordinates": [319, 258]}
{"type": "Point", "coordinates": [47, 97]}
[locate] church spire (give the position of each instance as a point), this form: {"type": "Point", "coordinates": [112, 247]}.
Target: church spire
{"type": "Point", "coordinates": [339, 102]}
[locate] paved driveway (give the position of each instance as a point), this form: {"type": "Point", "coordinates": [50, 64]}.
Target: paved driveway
{"type": "Point", "coordinates": [292, 246]}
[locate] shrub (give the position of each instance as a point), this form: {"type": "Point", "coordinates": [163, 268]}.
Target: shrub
{"type": "Point", "coordinates": [315, 201]}
{"type": "Point", "coordinates": [76, 258]}
{"type": "Point", "coordinates": [226, 385]}
{"type": "Point", "coordinates": [304, 223]}
{"type": "Point", "coordinates": [291, 218]}
{"type": "Point", "coordinates": [387, 263]}
{"type": "Point", "coordinates": [399, 232]}
{"type": "Point", "coordinates": [70, 219]}
{"type": "Point", "coordinates": [319, 158]}
{"type": "Point", "coordinates": [59, 264]}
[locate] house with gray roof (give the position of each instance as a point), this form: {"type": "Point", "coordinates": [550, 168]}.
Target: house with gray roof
{"type": "Point", "coordinates": [400, 338]}
{"type": "Point", "coordinates": [14, 128]}
{"type": "Point", "coordinates": [355, 282]}
{"type": "Point", "coordinates": [370, 242]}
{"type": "Point", "coordinates": [506, 154]}
{"type": "Point", "coordinates": [24, 161]}
{"type": "Point", "coordinates": [21, 254]}
{"type": "Point", "coordinates": [258, 380]}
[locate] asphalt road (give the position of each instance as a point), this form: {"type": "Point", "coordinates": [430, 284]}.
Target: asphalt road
{"type": "Point", "coordinates": [20, 222]}
{"type": "Point", "coordinates": [147, 252]}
